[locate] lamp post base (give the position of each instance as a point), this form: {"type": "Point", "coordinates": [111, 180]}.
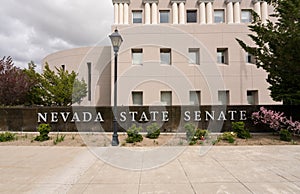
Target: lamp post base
{"type": "Point", "coordinates": [115, 140]}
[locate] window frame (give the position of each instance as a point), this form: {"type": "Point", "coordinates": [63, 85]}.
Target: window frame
{"type": "Point", "coordinates": [140, 19]}
{"type": "Point", "coordinates": [225, 56]}
{"type": "Point", "coordinates": [227, 95]}
{"type": "Point", "coordinates": [168, 16]}
{"type": "Point", "coordinates": [138, 51]}
{"type": "Point", "coordinates": [194, 11]}
{"type": "Point", "coordinates": [223, 16]}
{"type": "Point", "coordinates": [197, 55]}
{"type": "Point", "coordinates": [161, 98]}
{"type": "Point", "coordinates": [165, 50]}
{"type": "Point", "coordinates": [198, 97]}
{"type": "Point", "coordinates": [254, 96]}
{"type": "Point", "coordinates": [252, 59]}
{"type": "Point", "coordinates": [249, 19]}
{"type": "Point", "coordinates": [133, 93]}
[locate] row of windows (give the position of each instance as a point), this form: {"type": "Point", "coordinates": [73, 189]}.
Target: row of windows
{"type": "Point", "coordinates": [191, 16]}
{"type": "Point", "coordinates": [193, 56]}
{"type": "Point", "coordinates": [195, 97]}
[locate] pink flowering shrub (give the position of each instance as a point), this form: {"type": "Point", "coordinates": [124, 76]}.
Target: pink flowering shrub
{"type": "Point", "coordinates": [275, 120]}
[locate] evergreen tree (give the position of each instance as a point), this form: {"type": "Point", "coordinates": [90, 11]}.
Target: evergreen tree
{"type": "Point", "coordinates": [278, 51]}
{"type": "Point", "coordinates": [60, 89]}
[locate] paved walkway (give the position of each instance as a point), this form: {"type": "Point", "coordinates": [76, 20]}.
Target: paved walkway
{"type": "Point", "coordinates": [255, 169]}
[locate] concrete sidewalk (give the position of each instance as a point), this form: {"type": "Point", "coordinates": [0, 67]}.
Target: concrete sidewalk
{"type": "Point", "coordinates": [236, 169]}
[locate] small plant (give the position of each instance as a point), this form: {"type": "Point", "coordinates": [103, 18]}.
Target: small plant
{"type": "Point", "coordinates": [155, 142]}
{"type": "Point", "coordinates": [228, 136]}
{"type": "Point", "coordinates": [214, 142]}
{"type": "Point", "coordinates": [239, 129]}
{"type": "Point", "coordinates": [201, 134]}
{"type": "Point", "coordinates": [153, 131]}
{"type": "Point", "coordinates": [285, 135]}
{"type": "Point", "coordinates": [44, 130]}
{"type": "Point", "coordinates": [180, 142]}
{"type": "Point", "coordinates": [133, 134]}
{"type": "Point", "coordinates": [193, 134]}
{"type": "Point", "coordinates": [190, 131]}
{"type": "Point", "coordinates": [7, 136]}
{"type": "Point", "coordinates": [59, 139]}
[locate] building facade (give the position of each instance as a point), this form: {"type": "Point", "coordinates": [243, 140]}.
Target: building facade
{"type": "Point", "coordinates": [175, 52]}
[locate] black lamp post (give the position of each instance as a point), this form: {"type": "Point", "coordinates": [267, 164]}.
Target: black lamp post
{"type": "Point", "coordinates": [116, 41]}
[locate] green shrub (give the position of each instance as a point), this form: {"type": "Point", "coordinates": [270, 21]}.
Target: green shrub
{"type": "Point", "coordinates": [239, 129]}
{"type": "Point", "coordinates": [190, 133]}
{"type": "Point", "coordinates": [193, 134]}
{"type": "Point", "coordinates": [133, 134]}
{"type": "Point", "coordinates": [201, 133]}
{"type": "Point", "coordinates": [7, 136]}
{"type": "Point", "coordinates": [285, 135]}
{"type": "Point", "coordinates": [153, 131]}
{"type": "Point", "coordinates": [228, 136]}
{"type": "Point", "coordinates": [44, 130]}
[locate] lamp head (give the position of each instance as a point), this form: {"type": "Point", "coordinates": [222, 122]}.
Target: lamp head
{"type": "Point", "coordinates": [116, 40]}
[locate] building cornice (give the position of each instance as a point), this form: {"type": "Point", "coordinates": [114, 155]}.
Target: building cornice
{"type": "Point", "coordinates": [204, 1]}
{"type": "Point", "coordinates": [233, 1]}
{"type": "Point", "coordinates": [121, 1]}
{"type": "Point", "coordinates": [150, 1]}
{"type": "Point", "coordinates": [255, 1]}
{"type": "Point", "coordinates": [177, 1]}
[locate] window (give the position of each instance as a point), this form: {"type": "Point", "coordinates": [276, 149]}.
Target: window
{"type": "Point", "coordinates": [223, 97]}
{"type": "Point", "coordinates": [194, 56]}
{"type": "Point", "coordinates": [219, 16]}
{"type": "Point", "coordinates": [165, 56]}
{"type": "Point", "coordinates": [137, 56]}
{"type": "Point", "coordinates": [191, 16]}
{"type": "Point", "coordinates": [166, 97]}
{"type": "Point", "coordinates": [252, 97]}
{"type": "Point", "coordinates": [89, 85]}
{"type": "Point", "coordinates": [137, 98]}
{"type": "Point", "coordinates": [137, 17]}
{"type": "Point", "coordinates": [250, 58]}
{"type": "Point", "coordinates": [246, 16]}
{"type": "Point", "coordinates": [195, 98]}
{"type": "Point", "coordinates": [222, 55]}
{"type": "Point", "coordinates": [164, 16]}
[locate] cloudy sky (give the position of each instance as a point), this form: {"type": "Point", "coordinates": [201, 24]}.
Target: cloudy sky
{"type": "Point", "coordinates": [32, 29]}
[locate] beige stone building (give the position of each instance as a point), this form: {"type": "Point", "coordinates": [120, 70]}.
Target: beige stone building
{"type": "Point", "coordinates": [174, 52]}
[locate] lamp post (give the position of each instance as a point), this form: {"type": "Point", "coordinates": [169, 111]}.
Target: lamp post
{"type": "Point", "coordinates": [116, 41]}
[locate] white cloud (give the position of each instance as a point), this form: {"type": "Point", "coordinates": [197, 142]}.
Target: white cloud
{"type": "Point", "coordinates": [32, 29]}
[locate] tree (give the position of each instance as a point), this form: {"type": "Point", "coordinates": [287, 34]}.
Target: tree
{"type": "Point", "coordinates": [277, 50]}
{"type": "Point", "coordinates": [61, 88]}
{"type": "Point", "coordinates": [14, 83]}
{"type": "Point", "coordinates": [38, 93]}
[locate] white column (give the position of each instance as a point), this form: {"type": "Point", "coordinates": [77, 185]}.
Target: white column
{"type": "Point", "coordinates": [126, 13]}
{"type": "Point", "coordinates": [237, 12]}
{"type": "Point", "coordinates": [147, 13]}
{"type": "Point", "coordinates": [264, 12]}
{"type": "Point", "coordinates": [257, 8]}
{"type": "Point", "coordinates": [181, 13]}
{"type": "Point", "coordinates": [116, 10]}
{"type": "Point", "coordinates": [154, 13]}
{"type": "Point", "coordinates": [229, 13]}
{"type": "Point", "coordinates": [175, 13]}
{"type": "Point", "coordinates": [202, 13]}
{"type": "Point", "coordinates": [121, 14]}
{"type": "Point", "coordinates": [209, 14]}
